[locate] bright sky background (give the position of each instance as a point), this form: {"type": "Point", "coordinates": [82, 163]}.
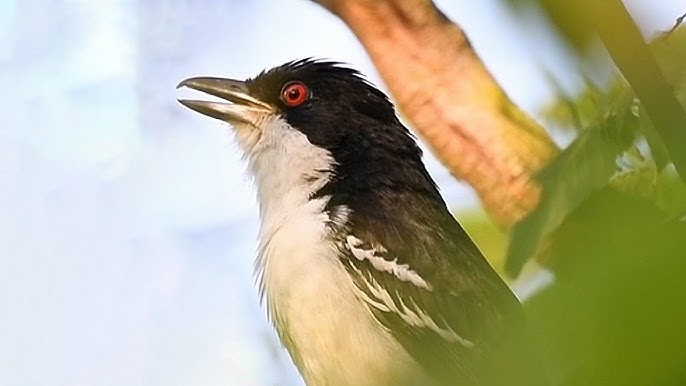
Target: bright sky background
{"type": "Point", "coordinates": [127, 228]}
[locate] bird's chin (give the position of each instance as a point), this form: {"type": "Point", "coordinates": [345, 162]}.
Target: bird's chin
{"type": "Point", "coordinates": [248, 136]}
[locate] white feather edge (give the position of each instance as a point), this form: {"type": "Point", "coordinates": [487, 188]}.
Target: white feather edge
{"type": "Point", "coordinates": [410, 313]}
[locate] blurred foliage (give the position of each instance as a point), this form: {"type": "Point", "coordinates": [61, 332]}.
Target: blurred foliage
{"type": "Point", "coordinates": [612, 127]}
{"type": "Point", "coordinates": [580, 111]}
{"type": "Point", "coordinates": [670, 192]}
{"type": "Point", "coordinates": [490, 239]}
{"type": "Point", "coordinates": [615, 314]}
{"type": "Point", "coordinates": [568, 17]}
{"type": "Point", "coordinates": [582, 168]}
{"type": "Point", "coordinates": [611, 225]}
{"type": "Point", "coordinates": [577, 113]}
{"type": "Point", "coordinates": [571, 20]}
{"type": "Point", "coordinates": [669, 49]}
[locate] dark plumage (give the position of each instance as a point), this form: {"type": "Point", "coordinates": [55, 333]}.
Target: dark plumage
{"type": "Point", "coordinates": [408, 257]}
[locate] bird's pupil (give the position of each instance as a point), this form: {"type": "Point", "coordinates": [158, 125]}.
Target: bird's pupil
{"type": "Point", "coordinates": [294, 94]}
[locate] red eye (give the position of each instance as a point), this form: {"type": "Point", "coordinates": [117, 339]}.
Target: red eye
{"type": "Point", "coordinates": [294, 93]}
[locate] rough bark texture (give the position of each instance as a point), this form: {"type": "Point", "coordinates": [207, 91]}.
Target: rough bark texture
{"type": "Point", "coordinates": [443, 89]}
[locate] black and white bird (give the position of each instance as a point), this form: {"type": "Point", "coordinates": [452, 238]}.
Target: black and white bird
{"type": "Point", "coordinates": [367, 277]}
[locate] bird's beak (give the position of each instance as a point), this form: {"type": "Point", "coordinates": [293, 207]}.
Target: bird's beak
{"type": "Point", "coordinates": [240, 106]}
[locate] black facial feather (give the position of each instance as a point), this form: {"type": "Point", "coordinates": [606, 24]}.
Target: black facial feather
{"type": "Point", "coordinates": [373, 150]}
{"type": "Point", "coordinates": [335, 91]}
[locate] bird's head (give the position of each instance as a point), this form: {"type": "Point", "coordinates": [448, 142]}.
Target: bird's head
{"type": "Point", "coordinates": [315, 127]}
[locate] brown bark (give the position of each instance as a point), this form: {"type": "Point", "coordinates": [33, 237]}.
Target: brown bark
{"type": "Point", "coordinates": [443, 89]}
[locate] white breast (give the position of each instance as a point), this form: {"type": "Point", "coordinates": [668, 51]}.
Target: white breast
{"type": "Point", "coordinates": [330, 332]}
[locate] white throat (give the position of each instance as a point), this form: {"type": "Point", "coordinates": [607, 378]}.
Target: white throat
{"type": "Point", "coordinates": [287, 170]}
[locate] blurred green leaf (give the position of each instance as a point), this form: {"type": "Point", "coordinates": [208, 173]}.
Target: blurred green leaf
{"type": "Point", "coordinates": [637, 175]}
{"type": "Point", "coordinates": [584, 167]}
{"type": "Point", "coordinates": [490, 239]}
{"type": "Point", "coordinates": [671, 192]}
{"type": "Point", "coordinates": [615, 314]}
{"type": "Point", "coordinates": [579, 112]}
{"type": "Point", "coordinates": [670, 50]}
{"type": "Point", "coordinates": [638, 64]}
{"type": "Point", "coordinates": [568, 17]}
{"type": "Point", "coordinates": [611, 215]}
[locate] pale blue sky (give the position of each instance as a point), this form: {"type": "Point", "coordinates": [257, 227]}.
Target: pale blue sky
{"type": "Point", "coordinates": [127, 228]}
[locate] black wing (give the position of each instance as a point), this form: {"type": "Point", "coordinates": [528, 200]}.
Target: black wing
{"type": "Point", "coordinates": [441, 299]}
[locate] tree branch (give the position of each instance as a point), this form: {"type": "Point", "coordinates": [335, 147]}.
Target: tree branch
{"type": "Point", "coordinates": [442, 87]}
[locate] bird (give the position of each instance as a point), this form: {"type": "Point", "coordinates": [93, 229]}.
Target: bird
{"type": "Point", "coordinates": [366, 275]}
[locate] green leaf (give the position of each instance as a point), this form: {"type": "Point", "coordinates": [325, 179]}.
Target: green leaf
{"type": "Point", "coordinates": [579, 112]}
{"type": "Point", "coordinates": [637, 175]}
{"type": "Point", "coordinates": [671, 192]}
{"type": "Point", "coordinates": [584, 167]}
{"type": "Point", "coordinates": [613, 315]}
